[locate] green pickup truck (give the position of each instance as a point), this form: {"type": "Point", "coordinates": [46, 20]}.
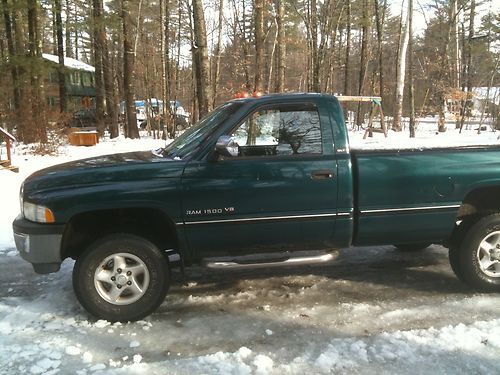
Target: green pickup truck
{"type": "Point", "coordinates": [257, 175]}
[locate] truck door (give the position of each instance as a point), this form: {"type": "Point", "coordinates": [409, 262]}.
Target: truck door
{"type": "Point", "coordinates": [278, 193]}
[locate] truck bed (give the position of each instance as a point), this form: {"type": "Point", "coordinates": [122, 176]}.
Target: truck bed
{"type": "Point", "coordinates": [402, 196]}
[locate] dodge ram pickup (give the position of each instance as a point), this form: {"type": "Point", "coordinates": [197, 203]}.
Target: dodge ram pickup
{"type": "Point", "coordinates": [256, 175]}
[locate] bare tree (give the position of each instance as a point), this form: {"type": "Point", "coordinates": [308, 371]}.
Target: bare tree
{"type": "Point", "coordinates": [128, 70]}
{"type": "Point", "coordinates": [280, 82]}
{"type": "Point", "coordinates": [468, 64]}
{"type": "Point", "coordinates": [98, 38]}
{"type": "Point", "coordinates": [60, 54]}
{"type": "Point", "coordinates": [411, 95]}
{"type": "Point", "coordinates": [109, 87]}
{"type": "Point", "coordinates": [68, 30]}
{"type": "Point", "coordinates": [38, 128]}
{"type": "Point", "coordinates": [259, 44]}
{"type": "Point", "coordinates": [364, 58]}
{"type": "Point", "coordinates": [217, 53]}
{"type": "Point", "coordinates": [379, 19]}
{"type": "Point", "coordinates": [401, 73]}
{"type": "Point", "coordinates": [347, 49]}
{"type": "Point", "coordinates": [11, 52]}
{"type": "Point", "coordinates": [201, 59]}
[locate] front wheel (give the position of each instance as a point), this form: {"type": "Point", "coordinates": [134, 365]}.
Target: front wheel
{"type": "Point", "coordinates": [477, 258]}
{"type": "Point", "coordinates": [121, 278]}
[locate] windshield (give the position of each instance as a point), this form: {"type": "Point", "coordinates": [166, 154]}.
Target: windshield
{"type": "Point", "coordinates": [199, 132]}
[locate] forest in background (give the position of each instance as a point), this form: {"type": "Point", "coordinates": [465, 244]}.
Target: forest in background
{"type": "Point", "coordinates": [203, 52]}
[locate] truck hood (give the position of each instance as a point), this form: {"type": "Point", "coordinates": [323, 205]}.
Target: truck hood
{"type": "Point", "coordinates": [105, 169]}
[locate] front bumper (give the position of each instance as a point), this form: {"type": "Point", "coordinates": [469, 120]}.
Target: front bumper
{"type": "Point", "coordinates": [39, 244]}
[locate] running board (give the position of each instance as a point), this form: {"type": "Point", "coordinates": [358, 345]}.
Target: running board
{"type": "Point", "coordinates": [269, 260]}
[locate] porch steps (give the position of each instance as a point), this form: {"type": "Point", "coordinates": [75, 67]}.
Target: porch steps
{"type": "Point", "coordinates": [5, 164]}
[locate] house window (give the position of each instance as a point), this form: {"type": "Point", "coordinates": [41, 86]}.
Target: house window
{"type": "Point", "coordinates": [74, 78]}
{"type": "Point", "coordinates": [53, 77]}
{"type": "Point", "coordinates": [51, 101]}
{"type": "Point", "coordinates": [87, 79]}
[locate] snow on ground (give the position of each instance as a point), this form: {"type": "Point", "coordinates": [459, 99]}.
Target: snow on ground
{"type": "Point", "coordinates": [426, 137]}
{"type": "Point", "coordinates": [371, 310]}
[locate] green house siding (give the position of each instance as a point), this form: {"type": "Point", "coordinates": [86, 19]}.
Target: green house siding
{"type": "Point", "coordinates": [80, 83]}
{"type": "Point", "coordinates": [73, 90]}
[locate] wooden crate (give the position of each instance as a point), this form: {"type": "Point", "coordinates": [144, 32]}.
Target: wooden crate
{"type": "Point", "coordinates": [84, 138]}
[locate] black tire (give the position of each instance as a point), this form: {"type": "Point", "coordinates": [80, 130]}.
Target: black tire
{"type": "Point", "coordinates": [132, 248]}
{"type": "Point", "coordinates": [411, 247]}
{"type": "Point", "coordinates": [464, 256]}
{"type": "Point", "coordinates": [456, 241]}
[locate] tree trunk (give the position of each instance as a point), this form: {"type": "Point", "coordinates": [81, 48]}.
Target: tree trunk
{"type": "Point", "coordinates": [12, 52]}
{"type": "Point", "coordinates": [217, 52]}
{"type": "Point", "coordinates": [401, 72]}
{"type": "Point", "coordinates": [98, 37]}
{"type": "Point", "coordinates": [68, 29]}
{"type": "Point", "coordinates": [201, 53]}
{"type": "Point", "coordinates": [60, 55]}
{"type": "Point", "coordinates": [410, 69]}
{"type": "Point", "coordinates": [109, 87]}
{"type": "Point", "coordinates": [363, 64]}
{"type": "Point", "coordinates": [380, 25]}
{"type": "Point", "coordinates": [456, 47]}
{"type": "Point", "coordinates": [246, 53]}
{"type": "Point", "coordinates": [259, 44]}
{"type": "Point", "coordinates": [39, 127]}
{"type": "Point", "coordinates": [468, 64]}
{"type": "Point", "coordinates": [129, 71]}
{"type": "Point", "coordinates": [54, 30]}
{"type": "Point", "coordinates": [163, 63]}
{"type": "Point", "coordinates": [315, 63]}
{"type": "Point", "coordinates": [168, 119]}
{"type": "Point", "coordinates": [347, 49]}
{"type": "Point", "coordinates": [280, 82]}
{"type": "Point", "coordinates": [271, 61]}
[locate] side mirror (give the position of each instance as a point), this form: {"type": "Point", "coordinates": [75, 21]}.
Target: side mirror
{"type": "Point", "coordinates": [227, 146]}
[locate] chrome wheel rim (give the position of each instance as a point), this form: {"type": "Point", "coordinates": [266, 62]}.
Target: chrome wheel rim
{"type": "Point", "coordinates": [488, 255]}
{"type": "Point", "coordinates": [121, 279]}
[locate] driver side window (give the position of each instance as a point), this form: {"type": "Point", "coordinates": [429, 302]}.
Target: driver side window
{"type": "Point", "coordinates": [280, 130]}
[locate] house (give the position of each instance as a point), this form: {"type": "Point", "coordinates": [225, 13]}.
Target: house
{"type": "Point", "coordinates": [484, 100]}
{"type": "Point", "coordinates": [80, 83]}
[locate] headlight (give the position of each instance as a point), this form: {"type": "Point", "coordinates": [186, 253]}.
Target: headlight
{"type": "Point", "coordinates": [37, 213]}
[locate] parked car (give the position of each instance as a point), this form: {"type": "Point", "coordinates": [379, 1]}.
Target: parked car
{"type": "Point", "coordinates": [154, 106]}
{"type": "Point", "coordinates": [85, 117]}
{"type": "Point", "coordinates": [181, 122]}
{"type": "Point", "coordinates": [256, 175]}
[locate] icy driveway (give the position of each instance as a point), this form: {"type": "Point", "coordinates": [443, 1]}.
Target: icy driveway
{"type": "Point", "coordinates": [370, 311]}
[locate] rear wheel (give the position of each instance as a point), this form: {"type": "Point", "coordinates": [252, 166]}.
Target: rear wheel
{"type": "Point", "coordinates": [412, 246]}
{"type": "Point", "coordinates": [476, 259]}
{"type": "Point", "coordinates": [121, 278]}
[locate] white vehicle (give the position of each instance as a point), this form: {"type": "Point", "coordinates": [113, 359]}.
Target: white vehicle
{"type": "Point", "coordinates": [154, 106]}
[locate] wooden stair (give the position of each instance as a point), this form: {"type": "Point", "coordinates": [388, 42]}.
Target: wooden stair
{"type": "Point", "coordinates": [5, 164]}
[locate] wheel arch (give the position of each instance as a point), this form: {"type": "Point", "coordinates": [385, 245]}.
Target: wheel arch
{"type": "Point", "coordinates": [477, 203]}
{"type": "Point", "coordinates": [480, 201]}
{"type": "Point", "coordinates": [86, 227]}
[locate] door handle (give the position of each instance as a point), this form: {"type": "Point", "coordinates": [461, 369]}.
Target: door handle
{"type": "Point", "coordinates": [324, 174]}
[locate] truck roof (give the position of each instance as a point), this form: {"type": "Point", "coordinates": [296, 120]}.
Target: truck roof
{"type": "Point", "coordinates": [280, 96]}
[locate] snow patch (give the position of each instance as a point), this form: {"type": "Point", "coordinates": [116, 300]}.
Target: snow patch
{"type": "Point", "coordinates": [134, 344]}
{"type": "Point", "coordinates": [72, 350]}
